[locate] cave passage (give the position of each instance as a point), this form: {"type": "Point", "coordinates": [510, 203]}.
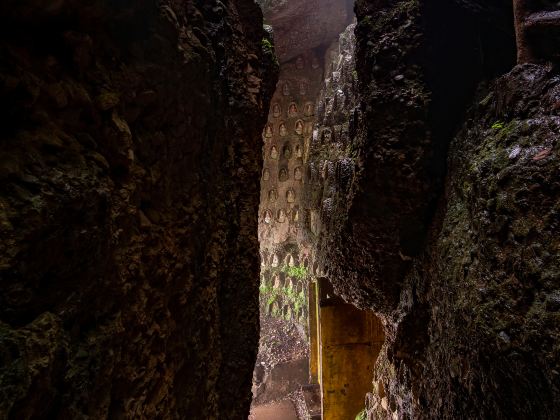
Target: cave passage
{"type": "Point", "coordinates": [372, 185]}
{"type": "Point", "coordinates": [315, 350]}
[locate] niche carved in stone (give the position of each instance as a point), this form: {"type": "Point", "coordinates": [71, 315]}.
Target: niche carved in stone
{"type": "Point", "coordinates": [295, 215]}
{"type": "Point", "coordinates": [299, 127]}
{"type": "Point", "coordinates": [283, 130]}
{"type": "Point", "coordinates": [268, 131]}
{"type": "Point", "coordinates": [281, 216]}
{"type": "Point", "coordinates": [293, 110]}
{"type": "Point", "coordinates": [267, 217]}
{"type": "Point", "coordinates": [287, 151]}
{"type": "Point", "coordinates": [283, 175]}
{"type": "Point", "coordinates": [290, 196]}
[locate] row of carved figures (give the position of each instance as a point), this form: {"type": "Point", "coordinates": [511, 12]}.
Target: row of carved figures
{"type": "Point", "coordinates": [283, 174]}
{"type": "Point", "coordinates": [290, 196]}
{"type": "Point", "coordinates": [286, 152]}
{"type": "Point", "coordinates": [299, 128]}
{"type": "Point", "coordinates": [308, 110]}
{"type": "Point", "coordinates": [281, 216]}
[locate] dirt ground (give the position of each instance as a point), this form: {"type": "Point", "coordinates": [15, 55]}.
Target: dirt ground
{"type": "Point", "coordinates": [282, 410]}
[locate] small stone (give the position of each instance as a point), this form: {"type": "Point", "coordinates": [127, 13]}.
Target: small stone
{"type": "Point", "coordinates": [514, 152]}
{"type": "Point", "coordinates": [399, 77]}
{"type": "Point", "coordinates": [552, 303]}
{"type": "Point", "coordinates": [542, 154]}
{"type": "Point", "coordinates": [504, 337]}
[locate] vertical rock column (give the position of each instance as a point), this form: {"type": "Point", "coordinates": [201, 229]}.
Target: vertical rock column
{"type": "Point", "coordinates": [129, 160]}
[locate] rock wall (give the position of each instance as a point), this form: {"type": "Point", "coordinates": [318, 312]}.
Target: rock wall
{"type": "Point", "coordinates": [303, 31]}
{"type": "Point", "coordinates": [445, 223]}
{"type": "Point", "coordinates": [129, 167]}
{"type": "Point", "coordinates": [476, 331]}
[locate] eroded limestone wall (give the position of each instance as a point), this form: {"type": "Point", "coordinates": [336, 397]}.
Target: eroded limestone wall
{"type": "Point", "coordinates": [450, 238]}
{"type": "Point", "coordinates": [130, 154]}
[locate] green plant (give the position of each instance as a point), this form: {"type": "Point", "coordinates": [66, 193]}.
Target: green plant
{"type": "Point", "coordinates": [267, 46]}
{"type": "Point", "coordinates": [362, 415]}
{"type": "Point", "coordinates": [299, 272]}
{"type": "Point", "coordinates": [498, 125]}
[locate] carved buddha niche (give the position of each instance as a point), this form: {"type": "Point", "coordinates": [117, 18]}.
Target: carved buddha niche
{"type": "Point", "coordinates": [300, 64]}
{"type": "Point", "coordinates": [281, 216]}
{"type": "Point", "coordinates": [272, 196]}
{"type": "Point", "coordinates": [273, 152]}
{"type": "Point", "coordinates": [299, 151]}
{"type": "Point", "coordinates": [266, 174]}
{"type": "Point", "coordinates": [287, 152]}
{"type": "Point", "coordinates": [298, 174]}
{"type": "Point", "coordinates": [283, 175]}
{"type": "Point", "coordinates": [291, 196]}
{"type": "Point", "coordinates": [267, 217]}
{"type": "Point", "coordinates": [299, 127]}
{"type": "Point", "coordinates": [276, 110]}
{"type": "Point", "coordinates": [286, 89]}
{"type": "Point", "coordinates": [268, 131]}
{"type": "Point", "coordinates": [295, 216]}
{"type": "Point", "coordinates": [283, 130]}
{"type": "Point", "coordinates": [292, 111]}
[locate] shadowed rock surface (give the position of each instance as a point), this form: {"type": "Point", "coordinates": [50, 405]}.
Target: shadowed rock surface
{"type": "Point", "coordinates": [445, 220]}
{"type": "Point", "coordinates": [122, 270]}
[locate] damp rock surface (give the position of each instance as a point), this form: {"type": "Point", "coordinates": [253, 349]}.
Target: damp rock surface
{"type": "Point", "coordinates": [440, 214]}
{"type": "Point", "coordinates": [129, 154]}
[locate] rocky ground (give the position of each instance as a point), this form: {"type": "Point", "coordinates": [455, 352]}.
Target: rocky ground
{"type": "Point", "coordinates": [280, 370]}
{"type": "Point", "coordinates": [280, 342]}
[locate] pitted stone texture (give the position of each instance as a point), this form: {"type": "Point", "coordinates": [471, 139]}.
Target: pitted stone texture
{"type": "Point", "coordinates": [410, 55]}
{"type": "Point", "coordinates": [476, 332]}
{"type": "Point", "coordinates": [129, 151]}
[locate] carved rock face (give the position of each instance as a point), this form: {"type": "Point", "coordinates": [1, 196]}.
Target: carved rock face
{"type": "Point", "coordinates": [299, 127]}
